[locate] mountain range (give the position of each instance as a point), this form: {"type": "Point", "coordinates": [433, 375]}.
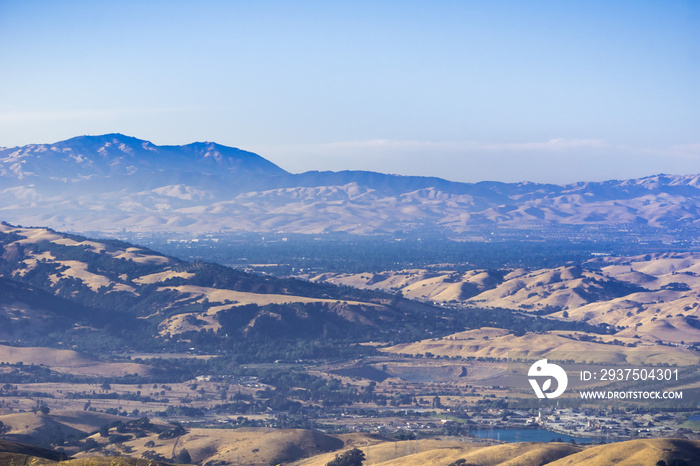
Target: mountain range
{"type": "Point", "coordinates": [114, 183]}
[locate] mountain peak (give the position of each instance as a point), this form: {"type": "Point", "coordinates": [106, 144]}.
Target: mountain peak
{"type": "Point", "coordinates": [112, 154]}
{"type": "Point", "coordinates": [110, 138]}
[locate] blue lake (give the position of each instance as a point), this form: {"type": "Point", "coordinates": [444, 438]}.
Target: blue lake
{"type": "Point", "coordinates": [527, 435]}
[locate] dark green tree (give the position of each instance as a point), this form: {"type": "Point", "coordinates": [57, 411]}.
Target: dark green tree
{"type": "Point", "coordinates": [4, 428]}
{"type": "Point", "coordinates": [183, 457]}
{"type": "Point", "coordinates": [353, 457]}
{"type": "Point", "coordinates": [461, 462]}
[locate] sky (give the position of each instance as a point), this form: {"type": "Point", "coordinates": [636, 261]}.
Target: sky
{"type": "Point", "coordinates": [544, 91]}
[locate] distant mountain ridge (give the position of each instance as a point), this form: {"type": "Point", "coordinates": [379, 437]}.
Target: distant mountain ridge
{"type": "Point", "coordinates": [115, 182]}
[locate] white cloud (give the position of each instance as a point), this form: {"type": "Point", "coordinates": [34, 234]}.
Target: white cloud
{"type": "Point", "coordinates": [553, 145]}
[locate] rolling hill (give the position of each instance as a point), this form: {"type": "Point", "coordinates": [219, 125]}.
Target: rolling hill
{"type": "Point", "coordinates": [634, 452]}
{"type": "Point", "coordinates": [102, 295]}
{"type": "Point", "coordinates": [650, 297]}
{"type": "Point", "coordinates": [105, 294]}
{"type": "Point", "coordinates": [308, 448]}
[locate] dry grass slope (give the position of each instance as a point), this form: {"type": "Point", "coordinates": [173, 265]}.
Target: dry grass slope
{"type": "Point", "coordinates": [650, 296]}
{"type": "Point", "coordinates": [442, 453]}
{"type": "Point", "coordinates": [18, 454]}
{"type": "Point", "coordinates": [512, 454]}
{"type": "Point", "coordinates": [256, 446]}
{"type": "Point", "coordinates": [70, 362]}
{"type": "Point", "coordinates": [499, 343]}
{"type": "Point", "coordinates": [35, 428]}
{"type": "Point", "coordinates": [259, 446]}
{"type": "Point", "coordinates": [389, 451]}
{"type": "Point", "coordinates": [636, 452]}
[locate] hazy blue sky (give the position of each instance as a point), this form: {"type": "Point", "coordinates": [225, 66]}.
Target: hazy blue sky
{"type": "Point", "coordinates": [553, 91]}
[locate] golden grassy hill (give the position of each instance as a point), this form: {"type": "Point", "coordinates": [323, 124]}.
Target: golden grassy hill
{"type": "Point", "coordinates": [442, 453]}
{"type": "Point", "coordinates": [257, 446]}
{"type": "Point", "coordinates": [199, 294]}
{"type": "Point", "coordinates": [40, 428]}
{"type": "Point", "coordinates": [511, 454]}
{"type": "Point", "coordinates": [635, 452]}
{"type": "Point", "coordinates": [112, 280]}
{"type": "Point", "coordinates": [86, 421]}
{"type": "Point", "coordinates": [70, 362]}
{"type": "Point", "coordinates": [499, 343]}
{"type": "Point", "coordinates": [390, 450]}
{"type": "Point", "coordinates": [637, 292]}
{"type": "Point", "coordinates": [35, 428]}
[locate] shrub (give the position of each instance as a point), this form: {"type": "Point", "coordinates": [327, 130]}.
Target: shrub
{"type": "Point", "coordinates": [353, 457]}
